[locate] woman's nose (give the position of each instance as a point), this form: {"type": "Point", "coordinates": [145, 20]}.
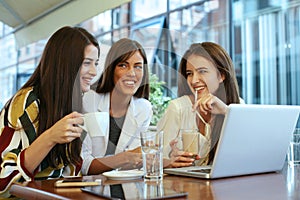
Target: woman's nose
{"type": "Point", "coordinates": [196, 77]}
{"type": "Point", "coordinates": [93, 70]}
{"type": "Point", "coordinates": [131, 71]}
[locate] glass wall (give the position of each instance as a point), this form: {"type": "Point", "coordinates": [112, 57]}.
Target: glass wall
{"type": "Point", "coordinates": [267, 52]}
{"type": "Point", "coordinates": [262, 38]}
{"type": "Point", "coordinates": [145, 9]}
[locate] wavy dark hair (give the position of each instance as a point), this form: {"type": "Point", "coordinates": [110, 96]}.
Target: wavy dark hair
{"type": "Point", "coordinates": [228, 90]}
{"type": "Point", "coordinates": [121, 51]}
{"type": "Point", "coordinates": [57, 85]}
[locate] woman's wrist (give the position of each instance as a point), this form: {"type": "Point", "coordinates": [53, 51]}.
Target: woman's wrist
{"type": "Point", "coordinates": [225, 110]}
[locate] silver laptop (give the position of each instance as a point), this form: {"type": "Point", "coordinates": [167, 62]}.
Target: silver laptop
{"type": "Point", "coordinates": [254, 139]}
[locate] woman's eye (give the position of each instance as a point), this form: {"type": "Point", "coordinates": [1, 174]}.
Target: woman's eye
{"type": "Point", "coordinates": [188, 73]}
{"type": "Point", "coordinates": [122, 65]}
{"type": "Point", "coordinates": [201, 71]}
{"type": "Point", "coordinates": [86, 63]}
{"type": "Point", "coordinates": [140, 67]}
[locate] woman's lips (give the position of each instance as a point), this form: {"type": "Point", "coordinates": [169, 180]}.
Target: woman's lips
{"type": "Point", "coordinates": [129, 83]}
{"type": "Point", "coordinates": [87, 80]}
{"type": "Point", "coordinates": [199, 88]}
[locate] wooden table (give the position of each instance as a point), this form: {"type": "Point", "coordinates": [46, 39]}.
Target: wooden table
{"type": "Point", "coordinates": [273, 186]}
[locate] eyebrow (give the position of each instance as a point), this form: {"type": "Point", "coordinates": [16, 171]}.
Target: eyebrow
{"type": "Point", "coordinates": [90, 59]}
{"type": "Point", "coordinates": [128, 62]}
{"type": "Point", "coordinates": [198, 68]}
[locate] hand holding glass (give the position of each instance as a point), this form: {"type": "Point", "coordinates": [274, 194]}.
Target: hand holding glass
{"type": "Point", "coordinates": [188, 141]}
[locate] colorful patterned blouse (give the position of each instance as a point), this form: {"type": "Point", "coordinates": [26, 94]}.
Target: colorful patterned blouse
{"type": "Point", "coordinates": [18, 126]}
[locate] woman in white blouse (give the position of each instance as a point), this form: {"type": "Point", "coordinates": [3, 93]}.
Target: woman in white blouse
{"type": "Point", "coordinates": [207, 84]}
{"type": "Point", "coordinates": [123, 91]}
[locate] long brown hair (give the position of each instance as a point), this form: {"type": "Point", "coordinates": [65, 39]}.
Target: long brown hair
{"type": "Point", "coordinates": [228, 90]}
{"type": "Point", "coordinates": [121, 51]}
{"type": "Point", "coordinates": [54, 80]}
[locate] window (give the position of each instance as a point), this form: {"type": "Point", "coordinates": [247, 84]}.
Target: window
{"type": "Point", "coordinates": [144, 9]}
{"type": "Point", "coordinates": [262, 38]}
{"type": "Point", "coordinates": [268, 52]}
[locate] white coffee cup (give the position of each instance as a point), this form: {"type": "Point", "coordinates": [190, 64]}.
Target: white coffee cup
{"type": "Point", "coordinates": [96, 123]}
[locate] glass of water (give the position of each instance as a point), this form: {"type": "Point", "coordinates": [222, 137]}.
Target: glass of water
{"type": "Point", "coordinates": [294, 149]}
{"type": "Point", "coordinates": [152, 150]}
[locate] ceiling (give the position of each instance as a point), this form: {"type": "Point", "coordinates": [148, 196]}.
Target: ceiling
{"type": "Point", "coordinates": [33, 20]}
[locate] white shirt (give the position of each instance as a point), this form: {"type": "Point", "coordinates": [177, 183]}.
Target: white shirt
{"type": "Point", "coordinates": [180, 115]}
{"type": "Point", "coordinates": [137, 119]}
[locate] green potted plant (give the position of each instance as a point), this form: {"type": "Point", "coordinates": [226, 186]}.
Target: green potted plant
{"type": "Point", "coordinates": [158, 100]}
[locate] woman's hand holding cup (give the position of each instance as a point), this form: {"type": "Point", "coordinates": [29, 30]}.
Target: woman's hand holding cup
{"type": "Point", "coordinates": [182, 153]}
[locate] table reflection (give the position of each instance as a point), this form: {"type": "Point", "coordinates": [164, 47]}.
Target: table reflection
{"type": "Point", "coordinates": [282, 185]}
{"type": "Point", "coordinates": [274, 186]}
{"type": "Point", "coordinates": [293, 181]}
{"type": "Point", "coordinates": [135, 190]}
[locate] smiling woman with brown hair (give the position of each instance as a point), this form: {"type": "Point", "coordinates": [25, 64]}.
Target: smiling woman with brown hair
{"type": "Point", "coordinates": [122, 91]}
{"type": "Point", "coordinates": [39, 137]}
{"type": "Point", "coordinates": [206, 85]}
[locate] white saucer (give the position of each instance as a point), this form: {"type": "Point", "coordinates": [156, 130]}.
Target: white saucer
{"type": "Point", "coordinates": [124, 174]}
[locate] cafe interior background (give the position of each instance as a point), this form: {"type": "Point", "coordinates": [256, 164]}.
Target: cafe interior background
{"type": "Point", "coordinates": [261, 36]}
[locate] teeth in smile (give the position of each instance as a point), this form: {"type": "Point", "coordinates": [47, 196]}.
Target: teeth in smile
{"type": "Point", "coordinates": [129, 82]}
{"type": "Point", "coordinates": [199, 88]}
